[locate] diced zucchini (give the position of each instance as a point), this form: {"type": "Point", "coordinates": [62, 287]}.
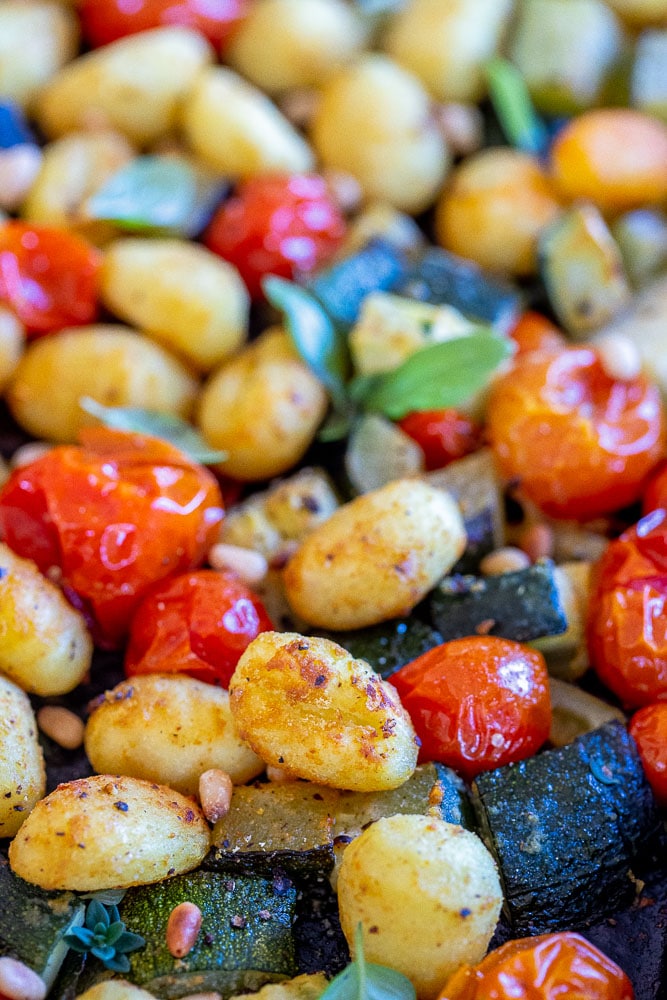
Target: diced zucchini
{"type": "Point", "coordinates": [389, 645]}
{"type": "Point", "coordinates": [245, 939]}
{"type": "Point", "coordinates": [33, 923]}
{"type": "Point", "coordinates": [567, 653]}
{"type": "Point", "coordinates": [641, 236]}
{"type": "Point", "coordinates": [575, 712]}
{"type": "Point", "coordinates": [583, 270]}
{"type": "Point", "coordinates": [379, 451]}
{"type": "Point", "coordinates": [565, 827]}
{"type": "Point", "coordinates": [521, 605]}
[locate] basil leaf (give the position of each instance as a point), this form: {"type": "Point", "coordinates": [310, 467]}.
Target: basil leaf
{"type": "Point", "coordinates": [364, 981]}
{"type": "Point", "coordinates": [441, 375]}
{"type": "Point", "coordinates": [160, 425]}
{"type": "Point", "coordinates": [156, 193]}
{"type": "Point", "coordinates": [514, 108]}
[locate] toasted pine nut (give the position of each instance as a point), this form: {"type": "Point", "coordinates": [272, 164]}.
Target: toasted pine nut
{"type": "Point", "coordinates": [505, 560]}
{"type": "Point", "coordinates": [250, 566]}
{"type": "Point", "coordinates": [278, 775]}
{"type": "Point", "coordinates": [62, 726]}
{"type": "Point", "coordinates": [619, 356]}
{"type": "Point", "coordinates": [183, 928]}
{"type": "Point", "coordinates": [19, 166]}
{"type": "Point", "coordinates": [30, 452]}
{"type": "Point", "coordinates": [204, 996]}
{"type": "Point", "coordinates": [462, 125]}
{"type": "Point", "coordinates": [19, 982]}
{"type": "Point", "coordinates": [215, 794]}
{"type": "Point", "coordinates": [537, 541]}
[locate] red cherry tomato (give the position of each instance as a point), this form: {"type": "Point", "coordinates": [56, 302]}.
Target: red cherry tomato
{"type": "Point", "coordinates": [546, 967]}
{"type": "Point", "coordinates": [655, 494]}
{"type": "Point", "coordinates": [113, 516]}
{"type": "Point", "coordinates": [534, 332]}
{"type": "Point", "coordinates": [198, 624]}
{"type": "Point", "coordinates": [104, 21]}
{"type": "Point", "coordinates": [579, 443]}
{"type": "Point", "coordinates": [277, 224]}
{"type": "Point", "coordinates": [442, 435]}
{"type": "Point", "coordinates": [49, 277]}
{"type": "Point", "coordinates": [648, 727]}
{"type": "Point", "coordinates": [627, 618]}
{"type": "Point", "coordinates": [477, 703]}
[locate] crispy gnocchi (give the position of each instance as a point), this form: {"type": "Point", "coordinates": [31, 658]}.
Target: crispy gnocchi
{"type": "Point", "coordinates": [22, 774]}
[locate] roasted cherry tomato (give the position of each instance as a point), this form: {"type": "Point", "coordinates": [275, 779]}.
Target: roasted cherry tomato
{"type": "Point", "coordinates": [49, 277]}
{"type": "Point", "coordinates": [109, 518]}
{"type": "Point", "coordinates": [655, 494]}
{"type": "Point", "coordinates": [104, 21]}
{"type": "Point", "coordinates": [534, 332]}
{"type": "Point", "coordinates": [442, 435]}
{"type": "Point", "coordinates": [627, 618]}
{"type": "Point", "coordinates": [648, 727]}
{"type": "Point", "coordinates": [197, 624]}
{"type": "Point", "coordinates": [546, 967]}
{"type": "Point", "coordinates": [477, 703]}
{"type": "Point", "coordinates": [579, 443]}
{"type": "Point", "coordinates": [277, 224]}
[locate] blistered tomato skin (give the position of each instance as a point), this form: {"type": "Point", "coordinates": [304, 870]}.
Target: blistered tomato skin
{"type": "Point", "coordinates": [648, 727]}
{"type": "Point", "coordinates": [579, 443]}
{"type": "Point", "coordinates": [49, 277]}
{"type": "Point", "coordinates": [546, 967]}
{"type": "Point", "coordinates": [477, 703]}
{"type": "Point", "coordinates": [198, 624]}
{"type": "Point", "coordinates": [443, 435]}
{"type": "Point", "coordinates": [627, 619]}
{"type": "Point", "coordinates": [111, 517]}
{"type": "Point", "coordinates": [110, 20]}
{"type": "Point", "coordinates": [278, 224]}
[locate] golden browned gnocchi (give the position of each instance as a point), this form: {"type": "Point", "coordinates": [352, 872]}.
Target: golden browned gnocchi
{"type": "Point", "coordinates": [306, 705]}
{"type": "Point", "coordinates": [169, 729]}
{"type": "Point", "coordinates": [426, 893]}
{"type": "Point", "coordinates": [112, 364]}
{"type": "Point", "coordinates": [376, 557]}
{"type": "Point", "coordinates": [263, 408]}
{"type": "Point", "coordinates": [12, 344]}
{"type": "Point", "coordinates": [180, 294]}
{"type": "Point", "coordinates": [116, 989]}
{"type": "Point", "coordinates": [22, 774]}
{"type": "Point", "coordinates": [107, 832]}
{"type": "Point", "coordinates": [45, 646]}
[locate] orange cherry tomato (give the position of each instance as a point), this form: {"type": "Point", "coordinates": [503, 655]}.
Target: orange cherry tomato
{"type": "Point", "coordinates": [196, 624]}
{"type": "Point", "coordinates": [578, 443]}
{"type": "Point", "coordinates": [655, 494]}
{"type": "Point", "coordinates": [627, 618]}
{"type": "Point", "coordinates": [546, 967]}
{"type": "Point", "coordinates": [104, 21]}
{"type": "Point", "coordinates": [477, 703]}
{"type": "Point", "coordinates": [648, 728]}
{"type": "Point", "coordinates": [111, 516]}
{"type": "Point", "coordinates": [49, 277]}
{"type": "Point", "coordinates": [534, 332]}
{"type": "Point", "coordinates": [442, 435]}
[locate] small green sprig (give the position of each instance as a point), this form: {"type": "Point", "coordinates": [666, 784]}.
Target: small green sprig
{"type": "Point", "coordinates": [104, 935]}
{"type": "Point", "coordinates": [362, 980]}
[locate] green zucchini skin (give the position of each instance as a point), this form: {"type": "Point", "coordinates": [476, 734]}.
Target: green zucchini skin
{"type": "Point", "coordinates": [521, 605]}
{"type": "Point", "coordinates": [556, 875]}
{"type": "Point", "coordinates": [390, 645]}
{"type": "Point", "coordinates": [33, 923]}
{"type": "Point", "coordinates": [245, 941]}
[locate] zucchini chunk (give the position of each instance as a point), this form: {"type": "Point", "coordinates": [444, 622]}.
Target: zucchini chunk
{"type": "Point", "coordinates": [389, 645]}
{"type": "Point", "coordinates": [245, 940]}
{"type": "Point", "coordinates": [521, 605]}
{"type": "Point", "coordinates": [560, 875]}
{"type": "Point", "coordinates": [33, 923]}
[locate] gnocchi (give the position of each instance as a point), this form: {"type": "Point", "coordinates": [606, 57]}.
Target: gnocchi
{"type": "Point", "coordinates": [22, 773]}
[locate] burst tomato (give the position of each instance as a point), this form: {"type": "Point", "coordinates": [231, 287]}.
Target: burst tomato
{"type": "Point", "coordinates": [534, 332]}
{"type": "Point", "coordinates": [104, 21]}
{"type": "Point", "coordinates": [442, 435]}
{"type": "Point", "coordinates": [655, 494]}
{"type": "Point", "coordinates": [49, 277]}
{"type": "Point", "coordinates": [579, 443]}
{"type": "Point", "coordinates": [546, 967]}
{"type": "Point", "coordinates": [477, 703]}
{"type": "Point", "coordinates": [197, 624]}
{"type": "Point", "coordinates": [277, 224]}
{"type": "Point", "coordinates": [627, 619]}
{"type": "Point", "coordinates": [648, 727]}
{"type": "Point", "coordinates": [111, 517]}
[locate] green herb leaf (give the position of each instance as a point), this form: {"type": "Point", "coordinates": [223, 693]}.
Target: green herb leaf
{"type": "Point", "coordinates": [364, 981]}
{"type": "Point", "coordinates": [514, 108]}
{"type": "Point", "coordinates": [104, 936]}
{"type": "Point", "coordinates": [161, 193]}
{"type": "Point", "coordinates": [161, 425]}
{"type": "Point", "coordinates": [440, 375]}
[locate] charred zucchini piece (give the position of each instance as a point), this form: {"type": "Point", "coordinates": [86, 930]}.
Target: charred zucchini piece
{"type": "Point", "coordinates": [442, 278]}
{"type": "Point", "coordinates": [389, 645]}
{"type": "Point", "coordinates": [521, 605]}
{"type": "Point", "coordinates": [245, 939]}
{"type": "Point", "coordinates": [558, 874]}
{"type": "Point", "coordinates": [33, 923]}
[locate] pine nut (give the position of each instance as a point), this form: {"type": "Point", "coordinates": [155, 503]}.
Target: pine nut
{"type": "Point", "coordinates": [215, 794]}
{"type": "Point", "coordinates": [505, 560]}
{"type": "Point", "coordinates": [619, 356]}
{"type": "Point", "coordinates": [19, 166]}
{"type": "Point", "coordinates": [30, 452]}
{"type": "Point", "coordinates": [19, 982]}
{"type": "Point", "coordinates": [62, 726]}
{"type": "Point", "coordinates": [250, 566]}
{"type": "Point", "coordinates": [183, 928]}
{"type": "Point", "coordinates": [299, 106]}
{"type": "Point", "coordinates": [537, 541]}
{"type": "Point", "coordinates": [278, 775]}
{"type": "Point", "coordinates": [462, 126]}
